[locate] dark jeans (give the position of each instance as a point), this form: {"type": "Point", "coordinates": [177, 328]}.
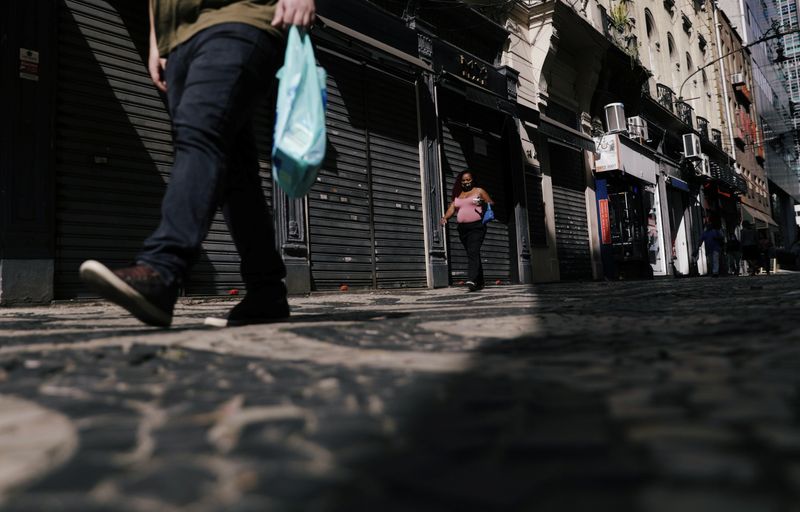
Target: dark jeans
{"type": "Point", "coordinates": [214, 83]}
{"type": "Point", "coordinates": [471, 235]}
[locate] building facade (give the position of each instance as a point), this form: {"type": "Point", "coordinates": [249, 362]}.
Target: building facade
{"type": "Point", "coordinates": [87, 151]}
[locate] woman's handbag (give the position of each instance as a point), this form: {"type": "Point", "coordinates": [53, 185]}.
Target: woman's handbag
{"type": "Point", "coordinates": [298, 147]}
{"type": "Point", "coordinates": [488, 214]}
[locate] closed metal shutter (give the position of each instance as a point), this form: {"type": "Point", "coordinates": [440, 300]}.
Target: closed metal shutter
{"type": "Point", "coordinates": [365, 214]}
{"type": "Point", "coordinates": [396, 190]}
{"type": "Point", "coordinates": [114, 149]}
{"type": "Point", "coordinates": [481, 153]}
{"type": "Point", "coordinates": [569, 203]}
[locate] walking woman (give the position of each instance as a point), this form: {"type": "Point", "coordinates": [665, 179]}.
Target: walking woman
{"type": "Point", "coordinates": [468, 201]}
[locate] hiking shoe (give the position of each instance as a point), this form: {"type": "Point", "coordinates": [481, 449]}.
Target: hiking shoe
{"type": "Point", "coordinates": [257, 307]}
{"type": "Point", "coordinates": [137, 288]}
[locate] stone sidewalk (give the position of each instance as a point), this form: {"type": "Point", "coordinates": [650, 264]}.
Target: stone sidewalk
{"type": "Point", "coordinates": [667, 395]}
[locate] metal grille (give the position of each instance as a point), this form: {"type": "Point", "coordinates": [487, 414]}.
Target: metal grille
{"type": "Point", "coordinates": [114, 149]}
{"type": "Point", "coordinates": [481, 154]}
{"type": "Point", "coordinates": [365, 211]}
{"type": "Point", "coordinates": [569, 203]}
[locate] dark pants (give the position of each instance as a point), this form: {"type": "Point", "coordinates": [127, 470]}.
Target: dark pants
{"type": "Point", "coordinates": [471, 235]}
{"type": "Point", "coordinates": [214, 83]}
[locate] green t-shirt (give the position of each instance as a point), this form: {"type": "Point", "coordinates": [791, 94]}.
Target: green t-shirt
{"type": "Point", "coordinates": [176, 21]}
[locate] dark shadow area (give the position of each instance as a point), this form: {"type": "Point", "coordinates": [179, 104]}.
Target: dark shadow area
{"type": "Point", "coordinates": [111, 174]}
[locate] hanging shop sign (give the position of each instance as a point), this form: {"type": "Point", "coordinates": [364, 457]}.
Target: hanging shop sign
{"type": "Point", "coordinates": [606, 155]}
{"type": "Point", "coordinates": [614, 153]}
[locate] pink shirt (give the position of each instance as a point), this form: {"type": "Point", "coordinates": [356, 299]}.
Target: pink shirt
{"type": "Point", "coordinates": [468, 211]}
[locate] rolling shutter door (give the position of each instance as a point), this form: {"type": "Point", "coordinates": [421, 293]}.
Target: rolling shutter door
{"type": "Point", "coordinates": [395, 175]}
{"type": "Point", "coordinates": [114, 149]}
{"type": "Point", "coordinates": [339, 210]}
{"type": "Point", "coordinates": [459, 153]}
{"type": "Point", "coordinates": [569, 203]}
{"type": "Point", "coordinates": [365, 214]}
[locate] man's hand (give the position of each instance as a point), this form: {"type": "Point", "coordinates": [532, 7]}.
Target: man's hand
{"type": "Point", "coordinates": [294, 12]}
{"type": "Point", "coordinates": [156, 65]}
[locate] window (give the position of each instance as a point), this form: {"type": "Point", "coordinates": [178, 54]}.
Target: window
{"type": "Point", "coordinates": [649, 24]}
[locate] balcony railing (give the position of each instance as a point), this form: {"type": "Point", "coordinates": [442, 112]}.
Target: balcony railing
{"type": "Point", "coordinates": [702, 127]}
{"type": "Point", "coordinates": [665, 96]}
{"type": "Point", "coordinates": [684, 111]}
{"type": "Point", "coordinates": [716, 138]}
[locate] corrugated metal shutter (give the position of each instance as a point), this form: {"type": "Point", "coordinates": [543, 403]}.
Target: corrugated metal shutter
{"type": "Point", "coordinates": [338, 204]}
{"type": "Point", "coordinates": [482, 154]}
{"type": "Point", "coordinates": [396, 190]}
{"type": "Point", "coordinates": [114, 150]}
{"type": "Point", "coordinates": [569, 203]}
{"type": "Point", "coordinates": [365, 213]}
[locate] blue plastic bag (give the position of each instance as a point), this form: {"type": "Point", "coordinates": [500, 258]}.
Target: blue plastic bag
{"type": "Point", "coordinates": [298, 146]}
{"type": "Point", "coordinates": [488, 214]}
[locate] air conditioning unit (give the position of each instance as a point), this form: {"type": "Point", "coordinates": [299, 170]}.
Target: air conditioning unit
{"type": "Point", "coordinates": [737, 79]}
{"type": "Point", "coordinates": [615, 117]}
{"type": "Point", "coordinates": [703, 166]}
{"type": "Point", "coordinates": [637, 128]}
{"type": "Point", "coordinates": [691, 146]}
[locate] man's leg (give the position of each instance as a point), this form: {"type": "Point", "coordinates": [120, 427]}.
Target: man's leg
{"type": "Point", "coordinates": [214, 82]}
{"type": "Point", "coordinates": [229, 69]}
{"type": "Point", "coordinates": [251, 228]}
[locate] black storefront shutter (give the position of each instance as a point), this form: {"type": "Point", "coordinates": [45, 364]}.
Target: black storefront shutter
{"type": "Point", "coordinates": [365, 212]}
{"type": "Point", "coordinates": [470, 140]}
{"type": "Point", "coordinates": [114, 149]}
{"type": "Point", "coordinates": [569, 203]}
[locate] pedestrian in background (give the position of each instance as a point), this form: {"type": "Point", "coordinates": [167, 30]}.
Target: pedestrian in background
{"type": "Point", "coordinates": [468, 204]}
{"type": "Point", "coordinates": [215, 60]}
{"type": "Point", "coordinates": [749, 247]}
{"type": "Point", "coordinates": [733, 248]}
{"type": "Point", "coordinates": [765, 252]}
{"type": "Point", "coordinates": [713, 239]}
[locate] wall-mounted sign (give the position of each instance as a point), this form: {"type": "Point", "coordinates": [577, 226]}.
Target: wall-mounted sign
{"type": "Point", "coordinates": [473, 70]}
{"type": "Point", "coordinates": [29, 64]}
{"type": "Point", "coordinates": [606, 154]}
{"type": "Point", "coordinates": [605, 222]}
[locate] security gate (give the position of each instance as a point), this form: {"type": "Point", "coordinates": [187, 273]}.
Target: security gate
{"type": "Point", "coordinates": [114, 149]}
{"type": "Point", "coordinates": [475, 146]}
{"type": "Point", "coordinates": [569, 203]}
{"type": "Point", "coordinates": [365, 211]}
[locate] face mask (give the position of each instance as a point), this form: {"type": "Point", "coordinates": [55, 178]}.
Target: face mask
{"type": "Point", "coordinates": [466, 186]}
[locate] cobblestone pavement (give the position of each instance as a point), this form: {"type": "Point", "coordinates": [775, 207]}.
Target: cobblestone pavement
{"type": "Point", "coordinates": [668, 395]}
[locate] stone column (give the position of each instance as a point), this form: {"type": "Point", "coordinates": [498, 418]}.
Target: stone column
{"type": "Point", "coordinates": [433, 199]}
{"type": "Point", "coordinates": [27, 177]}
{"type": "Point", "coordinates": [292, 240]}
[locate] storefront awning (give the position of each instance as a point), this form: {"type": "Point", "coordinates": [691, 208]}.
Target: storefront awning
{"type": "Point", "coordinates": [616, 153]}
{"type": "Point", "coordinates": [756, 216]}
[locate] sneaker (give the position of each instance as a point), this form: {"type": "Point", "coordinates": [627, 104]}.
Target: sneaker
{"type": "Point", "coordinates": [256, 308]}
{"type": "Point", "coordinates": [137, 288]}
{"type": "Point", "coordinates": [472, 286]}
